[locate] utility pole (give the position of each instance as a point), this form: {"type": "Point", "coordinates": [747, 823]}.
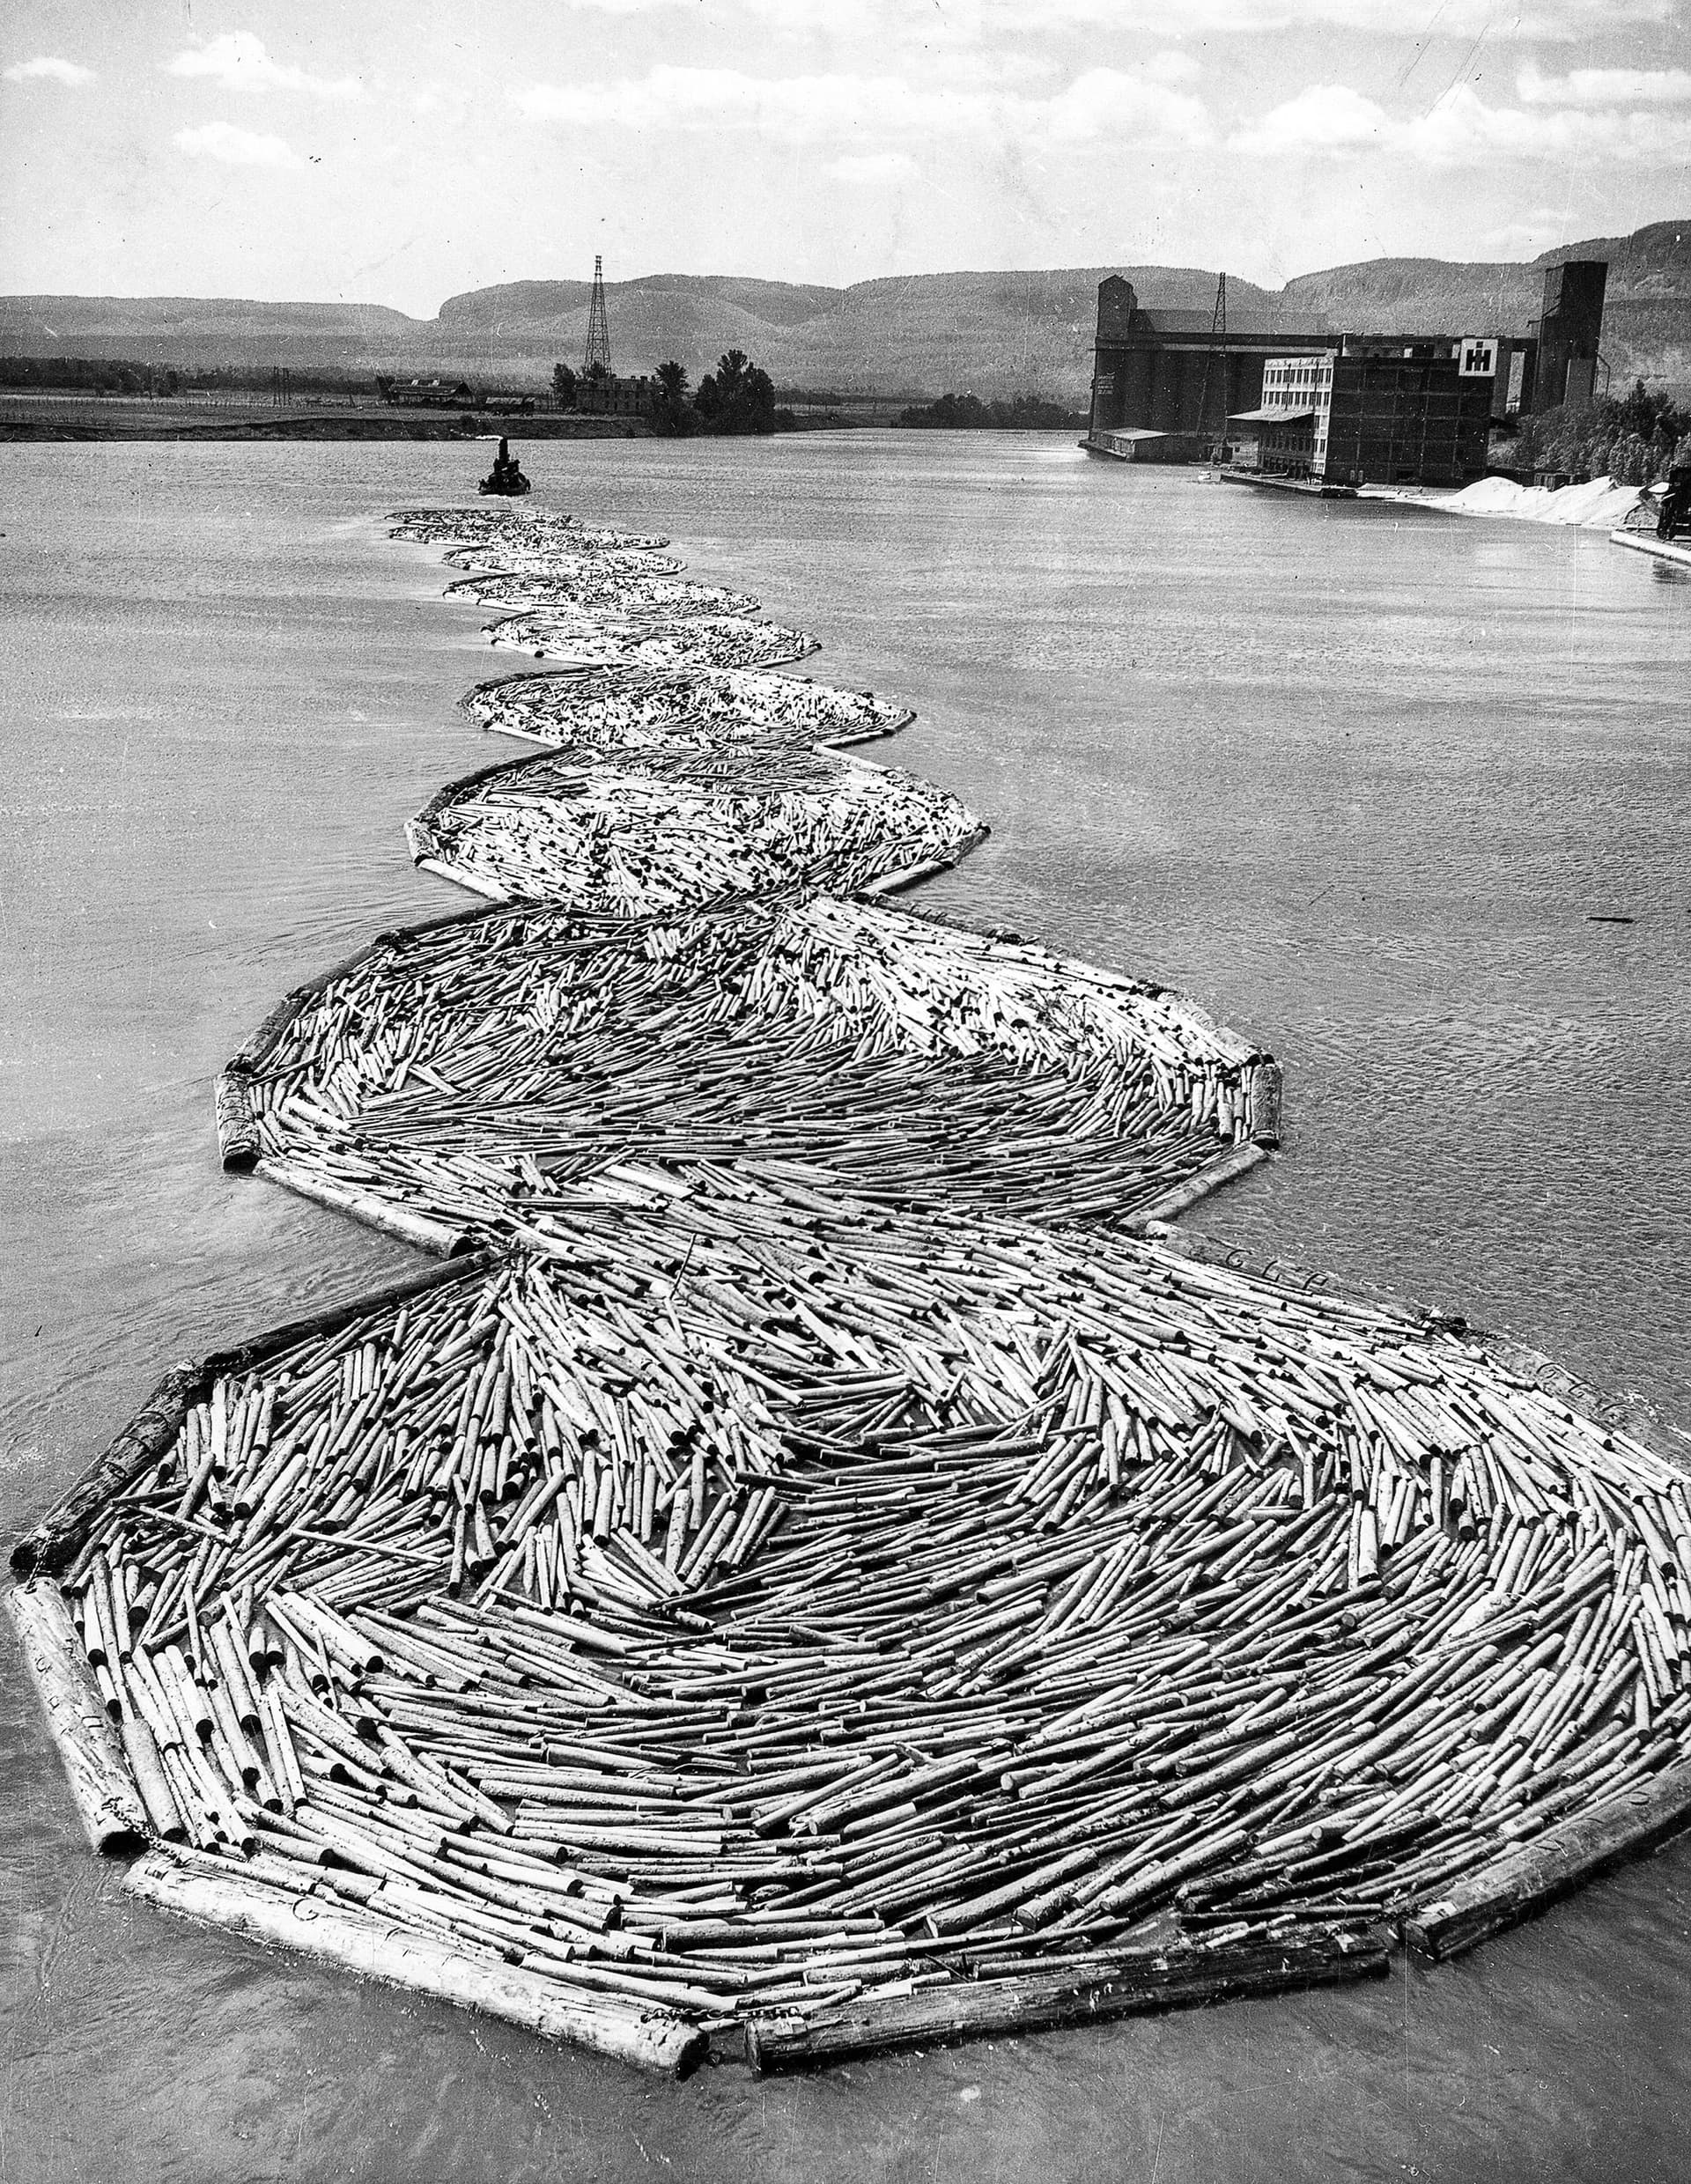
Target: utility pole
{"type": "Point", "coordinates": [598, 349]}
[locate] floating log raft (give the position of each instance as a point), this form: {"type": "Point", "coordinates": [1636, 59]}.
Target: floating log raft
{"type": "Point", "coordinates": [670, 831]}
{"type": "Point", "coordinates": [633, 709]}
{"type": "Point", "coordinates": [591, 588]}
{"type": "Point", "coordinates": [575, 551]}
{"type": "Point", "coordinates": [701, 640]}
{"type": "Point", "coordinates": [530, 528]}
{"type": "Point", "coordinates": [825, 1047]}
{"type": "Point", "coordinates": [809, 1623]}
{"type": "Point", "coordinates": [730, 795]}
{"type": "Point", "coordinates": [818, 1577]}
{"type": "Point", "coordinates": [477, 537]}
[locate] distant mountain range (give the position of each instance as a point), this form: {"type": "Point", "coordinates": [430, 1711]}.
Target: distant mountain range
{"type": "Point", "coordinates": [993, 334]}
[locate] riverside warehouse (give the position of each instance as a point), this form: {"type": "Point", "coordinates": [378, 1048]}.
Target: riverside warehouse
{"type": "Point", "coordinates": [1294, 398]}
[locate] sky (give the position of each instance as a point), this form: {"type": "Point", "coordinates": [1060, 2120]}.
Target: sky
{"type": "Point", "coordinates": [399, 153]}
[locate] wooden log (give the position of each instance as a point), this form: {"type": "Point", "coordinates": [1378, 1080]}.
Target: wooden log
{"type": "Point", "coordinates": [241, 1357]}
{"type": "Point", "coordinates": [913, 875]}
{"type": "Point", "coordinates": [147, 1768]}
{"type": "Point", "coordinates": [652, 2038]}
{"type": "Point", "coordinates": [1267, 1088]}
{"type": "Point", "coordinates": [107, 1803]}
{"type": "Point", "coordinates": [444, 1239]}
{"type": "Point", "coordinates": [444, 798]}
{"type": "Point", "coordinates": [426, 860]}
{"type": "Point", "coordinates": [1132, 1985]}
{"type": "Point", "coordinates": [52, 1542]}
{"type": "Point", "coordinates": [1238, 1159]}
{"type": "Point", "coordinates": [1510, 1890]}
{"type": "Point", "coordinates": [237, 1136]}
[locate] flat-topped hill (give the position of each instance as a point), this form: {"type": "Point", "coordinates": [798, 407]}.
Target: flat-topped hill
{"type": "Point", "coordinates": [993, 333]}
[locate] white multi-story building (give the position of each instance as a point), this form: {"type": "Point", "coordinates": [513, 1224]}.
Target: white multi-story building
{"type": "Point", "coordinates": [1300, 388]}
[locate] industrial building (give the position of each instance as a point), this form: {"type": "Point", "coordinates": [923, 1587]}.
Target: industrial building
{"type": "Point", "coordinates": [438, 394]}
{"type": "Point", "coordinates": [1373, 412]}
{"type": "Point", "coordinates": [1570, 328]}
{"type": "Point", "coordinates": [607, 395]}
{"type": "Point", "coordinates": [435, 394]}
{"type": "Point", "coordinates": [1173, 376]}
{"type": "Point", "coordinates": [1303, 400]}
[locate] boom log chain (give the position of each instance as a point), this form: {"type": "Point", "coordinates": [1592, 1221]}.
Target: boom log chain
{"type": "Point", "coordinates": [821, 1566]}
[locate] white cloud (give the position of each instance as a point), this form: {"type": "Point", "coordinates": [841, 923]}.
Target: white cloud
{"type": "Point", "coordinates": [808, 109]}
{"type": "Point", "coordinates": [797, 16]}
{"type": "Point", "coordinates": [47, 67]}
{"type": "Point", "coordinates": [875, 167]}
{"type": "Point", "coordinates": [1456, 19]}
{"type": "Point", "coordinates": [235, 147]}
{"type": "Point", "coordinates": [1606, 87]}
{"type": "Point", "coordinates": [965, 19]}
{"type": "Point", "coordinates": [1106, 102]}
{"type": "Point", "coordinates": [238, 62]}
{"type": "Point", "coordinates": [1461, 130]}
{"type": "Point", "coordinates": [1325, 118]}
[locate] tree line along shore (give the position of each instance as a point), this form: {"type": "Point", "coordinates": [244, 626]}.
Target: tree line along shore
{"type": "Point", "coordinates": [101, 398]}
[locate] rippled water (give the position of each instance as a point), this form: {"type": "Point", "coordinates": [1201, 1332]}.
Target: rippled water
{"type": "Point", "coordinates": [1359, 780]}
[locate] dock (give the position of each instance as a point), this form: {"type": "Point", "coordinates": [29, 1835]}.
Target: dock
{"type": "Point", "coordinates": [1671, 550]}
{"type": "Point", "coordinates": [1312, 488]}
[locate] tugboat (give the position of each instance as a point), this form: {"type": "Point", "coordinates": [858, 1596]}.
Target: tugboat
{"type": "Point", "coordinates": [507, 475]}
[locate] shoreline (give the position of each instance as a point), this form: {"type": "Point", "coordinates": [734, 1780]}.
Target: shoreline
{"type": "Point", "coordinates": [1598, 505]}
{"type": "Point", "coordinates": [342, 1035]}
{"type": "Point", "coordinates": [185, 422]}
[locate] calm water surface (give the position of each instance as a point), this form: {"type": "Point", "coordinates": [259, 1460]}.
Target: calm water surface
{"type": "Point", "coordinates": [1358, 779]}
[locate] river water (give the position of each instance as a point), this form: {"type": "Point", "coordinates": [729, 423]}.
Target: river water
{"type": "Point", "coordinates": [1370, 783]}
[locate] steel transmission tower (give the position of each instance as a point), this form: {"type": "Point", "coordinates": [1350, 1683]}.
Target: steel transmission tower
{"type": "Point", "coordinates": [598, 349]}
{"type": "Point", "coordinates": [1217, 351]}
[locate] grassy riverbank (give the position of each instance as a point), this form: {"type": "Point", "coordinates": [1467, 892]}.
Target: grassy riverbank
{"type": "Point", "coordinates": [101, 417]}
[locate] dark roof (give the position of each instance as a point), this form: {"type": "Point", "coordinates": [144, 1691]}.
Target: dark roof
{"type": "Point", "coordinates": [1249, 322]}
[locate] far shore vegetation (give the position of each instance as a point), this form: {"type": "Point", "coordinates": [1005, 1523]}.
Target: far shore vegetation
{"type": "Point", "coordinates": [1025, 413]}
{"type": "Point", "coordinates": [1634, 438]}
{"type": "Point", "coordinates": [128, 376]}
{"type": "Point", "coordinates": [737, 398]}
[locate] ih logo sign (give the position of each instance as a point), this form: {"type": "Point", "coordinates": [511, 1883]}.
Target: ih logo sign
{"type": "Point", "coordinates": [1479, 360]}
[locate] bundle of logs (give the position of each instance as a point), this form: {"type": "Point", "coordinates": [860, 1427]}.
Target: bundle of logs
{"type": "Point", "coordinates": [775, 1620]}
{"type": "Point", "coordinates": [569, 553]}
{"type": "Point", "coordinates": [596, 585]}
{"type": "Point", "coordinates": [492, 1072]}
{"type": "Point", "coordinates": [825, 1571]}
{"type": "Point", "coordinates": [668, 832]}
{"type": "Point", "coordinates": [603, 639]}
{"type": "Point", "coordinates": [618, 708]}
